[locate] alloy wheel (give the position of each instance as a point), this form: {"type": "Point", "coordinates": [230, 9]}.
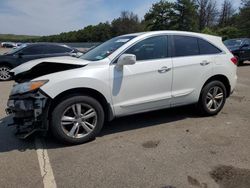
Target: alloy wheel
{"type": "Point", "coordinates": [79, 120]}
{"type": "Point", "coordinates": [4, 73]}
{"type": "Point", "coordinates": [214, 98]}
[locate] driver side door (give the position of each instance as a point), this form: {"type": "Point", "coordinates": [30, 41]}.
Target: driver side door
{"type": "Point", "coordinates": [146, 85]}
{"type": "Point", "coordinates": [30, 53]}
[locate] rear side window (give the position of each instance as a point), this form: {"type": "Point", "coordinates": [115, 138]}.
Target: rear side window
{"type": "Point", "coordinates": [53, 49]}
{"type": "Point", "coordinates": [151, 48]}
{"type": "Point", "coordinates": [185, 46]}
{"type": "Point", "coordinates": [32, 50]}
{"type": "Point", "coordinates": [189, 46]}
{"type": "Point", "coordinates": [207, 48]}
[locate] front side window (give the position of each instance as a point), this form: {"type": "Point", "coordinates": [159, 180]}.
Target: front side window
{"type": "Point", "coordinates": [107, 48]}
{"type": "Point", "coordinates": [151, 48]}
{"type": "Point", "coordinates": [207, 48]}
{"type": "Point", "coordinates": [185, 46]}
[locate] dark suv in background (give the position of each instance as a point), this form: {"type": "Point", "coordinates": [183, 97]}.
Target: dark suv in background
{"type": "Point", "coordinates": [29, 52]}
{"type": "Point", "coordinates": [240, 48]}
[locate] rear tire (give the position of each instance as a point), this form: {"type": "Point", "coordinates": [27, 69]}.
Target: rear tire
{"type": "Point", "coordinates": [212, 98]}
{"type": "Point", "coordinates": [77, 119]}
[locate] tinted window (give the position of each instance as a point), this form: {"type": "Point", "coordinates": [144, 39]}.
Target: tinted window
{"type": "Point", "coordinates": [207, 48]}
{"type": "Point", "coordinates": [233, 42]}
{"type": "Point", "coordinates": [53, 49]}
{"type": "Point", "coordinates": [186, 46]}
{"type": "Point", "coordinates": [32, 50]}
{"type": "Point", "coordinates": [247, 42]}
{"type": "Point", "coordinates": [151, 48]}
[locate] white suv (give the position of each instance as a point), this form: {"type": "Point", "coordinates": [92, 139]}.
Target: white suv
{"type": "Point", "coordinates": [128, 74]}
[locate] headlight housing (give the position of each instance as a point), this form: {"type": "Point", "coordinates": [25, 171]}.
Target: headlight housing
{"type": "Point", "coordinates": [27, 87]}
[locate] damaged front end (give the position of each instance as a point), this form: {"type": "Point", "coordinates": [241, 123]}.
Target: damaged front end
{"type": "Point", "coordinates": [30, 112]}
{"type": "Point", "coordinates": [27, 103]}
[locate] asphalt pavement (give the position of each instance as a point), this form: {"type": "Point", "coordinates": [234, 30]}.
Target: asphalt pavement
{"type": "Point", "coordinates": [172, 148]}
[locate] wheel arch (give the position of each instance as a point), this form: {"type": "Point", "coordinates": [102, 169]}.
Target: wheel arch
{"type": "Point", "coordinates": [6, 63]}
{"type": "Point", "coordinates": [109, 115]}
{"type": "Point", "coordinates": [223, 79]}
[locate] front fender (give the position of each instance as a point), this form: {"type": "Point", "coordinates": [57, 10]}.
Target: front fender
{"type": "Point", "coordinates": [96, 79]}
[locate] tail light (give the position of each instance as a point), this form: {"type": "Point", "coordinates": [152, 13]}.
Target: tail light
{"type": "Point", "coordinates": [234, 60]}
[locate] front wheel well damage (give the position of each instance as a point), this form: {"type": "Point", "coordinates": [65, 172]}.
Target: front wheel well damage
{"type": "Point", "coordinates": [83, 91]}
{"type": "Point", "coordinates": [221, 78]}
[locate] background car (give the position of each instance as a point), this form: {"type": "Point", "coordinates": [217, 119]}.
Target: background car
{"type": "Point", "coordinates": [240, 48]}
{"type": "Point", "coordinates": [8, 44]}
{"type": "Point", "coordinates": [29, 52]}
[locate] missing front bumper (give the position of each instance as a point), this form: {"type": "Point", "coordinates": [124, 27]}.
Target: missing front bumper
{"type": "Point", "coordinates": [29, 113]}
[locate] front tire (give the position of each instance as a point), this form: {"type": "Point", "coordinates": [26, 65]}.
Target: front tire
{"type": "Point", "coordinates": [77, 119]}
{"type": "Point", "coordinates": [212, 98]}
{"type": "Point", "coordinates": [5, 73]}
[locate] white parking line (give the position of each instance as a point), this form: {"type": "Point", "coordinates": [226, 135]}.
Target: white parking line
{"type": "Point", "coordinates": [45, 167]}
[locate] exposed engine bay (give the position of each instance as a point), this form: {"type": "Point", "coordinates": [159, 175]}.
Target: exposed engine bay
{"type": "Point", "coordinates": [43, 69]}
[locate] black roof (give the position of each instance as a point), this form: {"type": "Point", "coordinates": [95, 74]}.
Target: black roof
{"type": "Point", "coordinates": [48, 43]}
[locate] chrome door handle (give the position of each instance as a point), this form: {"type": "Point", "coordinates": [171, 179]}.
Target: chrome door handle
{"type": "Point", "coordinates": [204, 63]}
{"type": "Point", "coordinates": [164, 69]}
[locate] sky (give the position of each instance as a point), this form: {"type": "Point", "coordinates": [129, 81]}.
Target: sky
{"type": "Point", "coordinates": [47, 17]}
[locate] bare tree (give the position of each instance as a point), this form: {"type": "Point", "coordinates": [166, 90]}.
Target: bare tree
{"type": "Point", "coordinates": [227, 11]}
{"type": "Point", "coordinates": [208, 13]}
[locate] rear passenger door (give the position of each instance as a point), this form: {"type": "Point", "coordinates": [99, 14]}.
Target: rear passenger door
{"type": "Point", "coordinates": [192, 64]}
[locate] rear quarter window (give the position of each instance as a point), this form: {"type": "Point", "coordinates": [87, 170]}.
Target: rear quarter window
{"type": "Point", "coordinates": [207, 48]}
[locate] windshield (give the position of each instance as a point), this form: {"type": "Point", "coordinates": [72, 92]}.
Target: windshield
{"type": "Point", "coordinates": [104, 50]}
{"type": "Point", "coordinates": [233, 42]}
{"type": "Point", "coordinates": [14, 50]}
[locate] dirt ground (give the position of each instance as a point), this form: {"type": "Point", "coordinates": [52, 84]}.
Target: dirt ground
{"type": "Point", "coordinates": [171, 148]}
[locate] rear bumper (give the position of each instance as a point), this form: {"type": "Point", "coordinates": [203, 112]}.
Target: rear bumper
{"type": "Point", "coordinates": [233, 83]}
{"type": "Point", "coordinates": [29, 112]}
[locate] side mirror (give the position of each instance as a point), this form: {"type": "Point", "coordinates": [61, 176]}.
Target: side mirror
{"type": "Point", "coordinates": [76, 54]}
{"type": "Point", "coordinates": [126, 59]}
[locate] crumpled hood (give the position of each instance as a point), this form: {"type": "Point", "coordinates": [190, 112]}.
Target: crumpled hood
{"type": "Point", "coordinates": [58, 60]}
{"type": "Point", "coordinates": [44, 66]}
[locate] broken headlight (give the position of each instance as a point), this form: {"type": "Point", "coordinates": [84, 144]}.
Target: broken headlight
{"type": "Point", "coordinates": [27, 87]}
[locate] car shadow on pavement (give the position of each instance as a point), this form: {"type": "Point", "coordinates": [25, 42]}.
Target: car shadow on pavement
{"type": "Point", "coordinates": [148, 119]}
{"type": "Point", "coordinates": [9, 142]}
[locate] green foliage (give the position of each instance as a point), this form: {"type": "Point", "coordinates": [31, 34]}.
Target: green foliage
{"type": "Point", "coordinates": [186, 15]}
{"type": "Point", "coordinates": [128, 22]}
{"type": "Point", "coordinates": [209, 31]}
{"type": "Point", "coordinates": [228, 32]}
{"type": "Point", "coordinates": [17, 38]}
{"type": "Point", "coordinates": [243, 19]}
{"type": "Point", "coordinates": [161, 16]}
